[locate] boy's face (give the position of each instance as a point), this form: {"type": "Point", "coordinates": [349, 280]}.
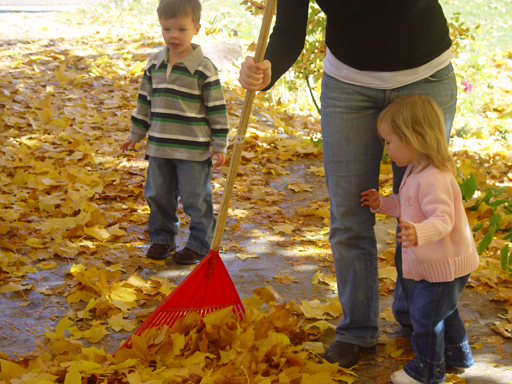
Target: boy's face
{"type": "Point", "coordinates": [178, 34]}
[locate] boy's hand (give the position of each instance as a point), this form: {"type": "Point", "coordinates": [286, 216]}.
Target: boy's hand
{"type": "Point", "coordinates": [371, 198]}
{"type": "Point", "coordinates": [407, 236]}
{"type": "Point", "coordinates": [221, 159]}
{"type": "Point", "coordinates": [127, 144]}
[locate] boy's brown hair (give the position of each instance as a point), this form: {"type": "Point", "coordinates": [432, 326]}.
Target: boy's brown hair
{"type": "Point", "coordinates": [172, 9]}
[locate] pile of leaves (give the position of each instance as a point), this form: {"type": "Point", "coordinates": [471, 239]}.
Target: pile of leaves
{"type": "Point", "coordinates": [271, 342]}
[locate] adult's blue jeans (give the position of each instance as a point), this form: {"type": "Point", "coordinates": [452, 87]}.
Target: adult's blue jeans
{"type": "Point", "coordinates": [439, 338]}
{"type": "Point", "coordinates": [352, 156]}
{"type": "Point", "coordinates": [169, 180]}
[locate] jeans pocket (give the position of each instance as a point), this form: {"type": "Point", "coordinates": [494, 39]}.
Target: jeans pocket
{"type": "Point", "coordinates": [442, 74]}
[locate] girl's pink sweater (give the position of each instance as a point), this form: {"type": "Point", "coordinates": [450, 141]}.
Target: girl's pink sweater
{"type": "Point", "coordinates": [432, 201]}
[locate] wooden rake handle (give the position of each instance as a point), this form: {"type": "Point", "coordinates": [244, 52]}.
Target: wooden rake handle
{"type": "Point", "coordinates": [242, 128]}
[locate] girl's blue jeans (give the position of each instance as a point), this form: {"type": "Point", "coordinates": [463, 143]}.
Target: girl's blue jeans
{"type": "Point", "coordinates": [439, 338]}
{"type": "Point", "coordinates": [352, 157]}
{"type": "Point", "coordinates": [169, 180]}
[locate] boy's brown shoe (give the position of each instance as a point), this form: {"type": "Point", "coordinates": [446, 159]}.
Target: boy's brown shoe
{"type": "Point", "coordinates": [187, 256]}
{"type": "Point", "coordinates": [160, 251]}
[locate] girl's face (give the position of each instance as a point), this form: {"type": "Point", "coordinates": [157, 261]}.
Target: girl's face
{"type": "Point", "coordinates": [401, 153]}
{"type": "Point", "coordinates": [178, 34]}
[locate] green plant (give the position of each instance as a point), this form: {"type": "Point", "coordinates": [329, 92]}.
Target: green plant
{"type": "Point", "coordinates": [468, 187]}
{"type": "Point", "coordinates": [506, 259]}
{"type": "Point", "coordinates": [500, 205]}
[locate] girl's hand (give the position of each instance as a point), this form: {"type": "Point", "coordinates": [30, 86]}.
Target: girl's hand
{"type": "Point", "coordinates": [127, 144]}
{"type": "Point", "coordinates": [407, 236]}
{"type": "Point", "coordinates": [371, 198]}
{"type": "Point", "coordinates": [221, 159]}
{"type": "Point", "coordinates": [255, 77]}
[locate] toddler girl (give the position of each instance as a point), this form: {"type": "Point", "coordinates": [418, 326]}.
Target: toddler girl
{"type": "Point", "coordinates": [438, 248]}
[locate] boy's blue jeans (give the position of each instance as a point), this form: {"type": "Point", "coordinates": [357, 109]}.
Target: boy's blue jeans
{"type": "Point", "coordinates": [352, 157]}
{"type": "Point", "coordinates": [439, 338]}
{"type": "Point", "coordinates": [170, 179]}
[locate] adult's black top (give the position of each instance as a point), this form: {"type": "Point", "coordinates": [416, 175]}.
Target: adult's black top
{"type": "Point", "coordinates": [368, 35]}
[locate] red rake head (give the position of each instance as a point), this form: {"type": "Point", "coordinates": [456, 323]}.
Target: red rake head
{"type": "Point", "coordinates": [206, 289]}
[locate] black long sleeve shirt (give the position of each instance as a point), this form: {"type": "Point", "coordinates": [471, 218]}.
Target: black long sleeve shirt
{"type": "Point", "coordinates": [368, 35]}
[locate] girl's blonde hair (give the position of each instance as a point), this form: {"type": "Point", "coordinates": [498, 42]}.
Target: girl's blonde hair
{"type": "Point", "coordinates": [418, 121]}
{"type": "Point", "coordinates": [172, 9]}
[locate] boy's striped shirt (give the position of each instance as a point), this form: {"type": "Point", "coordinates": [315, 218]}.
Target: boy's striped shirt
{"type": "Point", "coordinates": [181, 109]}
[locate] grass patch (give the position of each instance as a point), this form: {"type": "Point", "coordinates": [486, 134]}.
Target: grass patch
{"type": "Point", "coordinates": [494, 18]}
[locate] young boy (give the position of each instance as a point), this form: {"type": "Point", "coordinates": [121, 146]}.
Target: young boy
{"type": "Point", "coordinates": [182, 109]}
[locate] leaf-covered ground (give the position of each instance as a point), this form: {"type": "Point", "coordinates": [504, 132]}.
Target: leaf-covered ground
{"type": "Point", "coordinates": [72, 205]}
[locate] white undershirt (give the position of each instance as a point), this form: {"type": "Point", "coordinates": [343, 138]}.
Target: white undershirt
{"type": "Point", "coordinates": [383, 80]}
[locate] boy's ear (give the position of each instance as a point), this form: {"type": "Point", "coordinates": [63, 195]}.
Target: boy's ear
{"type": "Point", "coordinates": [198, 28]}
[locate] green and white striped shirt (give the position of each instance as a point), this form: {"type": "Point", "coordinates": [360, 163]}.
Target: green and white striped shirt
{"type": "Point", "coordinates": [181, 109]}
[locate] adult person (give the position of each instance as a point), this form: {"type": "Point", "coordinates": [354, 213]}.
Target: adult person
{"type": "Point", "coordinates": [377, 51]}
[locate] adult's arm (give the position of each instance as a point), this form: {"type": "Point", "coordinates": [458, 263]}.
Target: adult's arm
{"type": "Point", "coordinates": [288, 36]}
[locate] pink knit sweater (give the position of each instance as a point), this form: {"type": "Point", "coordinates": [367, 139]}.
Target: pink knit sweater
{"type": "Point", "coordinates": [432, 201]}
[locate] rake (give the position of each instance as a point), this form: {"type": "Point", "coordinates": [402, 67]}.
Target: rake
{"type": "Point", "coordinates": [209, 287]}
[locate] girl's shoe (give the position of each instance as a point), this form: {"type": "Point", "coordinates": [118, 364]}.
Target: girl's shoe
{"type": "Point", "coordinates": [400, 377]}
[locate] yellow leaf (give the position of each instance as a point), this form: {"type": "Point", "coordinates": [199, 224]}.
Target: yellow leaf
{"type": "Point", "coordinates": [96, 118]}
{"type": "Point", "coordinates": [116, 231]}
{"type": "Point", "coordinates": [314, 346]}
{"type": "Point", "coordinates": [13, 287]}
{"type": "Point", "coordinates": [16, 64]}
{"type": "Point", "coordinates": [322, 325]}
{"type": "Point", "coordinates": [319, 378]}
{"type": "Point", "coordinates": [36, 243]}
{"type": "Point", "coordinates": [9, 370]}
{"type": "Point", "coordinates": [245, 256]}
{"type": "Point", "coordinates": [451, 378]}
{"type": "Point", "coordinates": [319, 171]}
{"type": "Point", "coordinates": [387, 273]}
{"type": "Point", "coordinates": [314, 309]}
{"type": "Point", "coordinates": [347, 379]}
{"type": "Point", "coordinates": [61, 75]}
{"type": "Point", "coordinates": [286, 228]}
{"type": "Point", "coordinates": [139, 345]}
{"type": "Point", "coordinates": [9, 215]}
{"type": "Point", "coordinates": [466, 166]}
{"type": "Point", "coordinates": [73, 376]}
{"type": "Point", "coordinates": [117, 323]}
{"type": "Point", "coordinates": [62, 325]}
{"type": "Point", "coordinates": [46, 265]}
{"type": "Point", "coordinates": [478, 346]}
{"type": "Point", "coordinates": [286, 279]}
{"type": "Point", "coordinates": [227, 356]}
{"type": "Point", "coordinates": [98, 233]}
{"type": "Point", "coordinates": [45, 115]}
{"type": "Point", "coordinates": [387, 315]}
{"type": "Point", "coordinates": [327, 279]}
{"type": "Point", "coordinates": [198, 358]}
{"type": "Point", "coordinates": [298, 187]}
{"type": "Point", "coordinates": [219, 316]}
